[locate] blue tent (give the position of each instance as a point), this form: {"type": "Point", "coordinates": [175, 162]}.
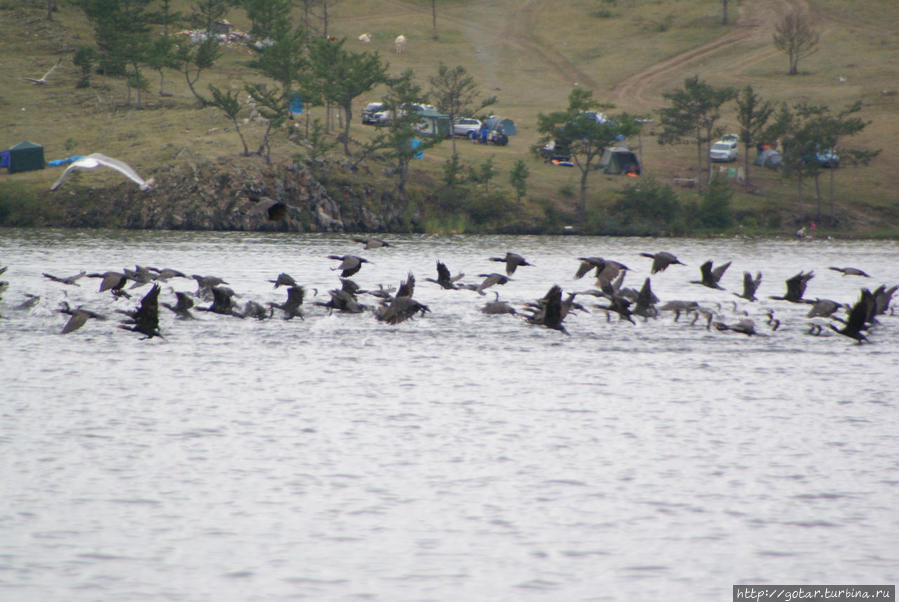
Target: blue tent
{"type": "Point", "coordinates": [507, 125]}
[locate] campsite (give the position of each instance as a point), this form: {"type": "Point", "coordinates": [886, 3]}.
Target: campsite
{"type": "Point", "coordinates": [529, 74]}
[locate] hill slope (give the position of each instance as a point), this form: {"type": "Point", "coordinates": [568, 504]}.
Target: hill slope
{"type": "Point", "coordinates": [530, 54]}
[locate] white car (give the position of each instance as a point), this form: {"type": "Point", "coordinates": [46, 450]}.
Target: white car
{"type": "Point", "coordinates": [375, 113]}
{"type": "Point", "coordinates": [466, 126]}
{"type": "Point", "coordinates": [724, 150]}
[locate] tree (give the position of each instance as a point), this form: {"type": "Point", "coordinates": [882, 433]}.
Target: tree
{"type": "Point", "coordinates": [122, 34]}
{"type": "Point", "coordinates": [796, 37]}
{"type": "Point", "coordinates": [229, 103]}
{"type": "Point", "coordinates": [752, 114]}
{"type": "Point", "coordinates": [455, 93]}
{"type": "Point", "coordinates": [585, 133]}
{"type": "Point", "coordinates": [694, 112]}
{"type": "Point", "coordinates": [206, 13]}
{"type": "Point", "coordinates": [193, 59]}
{"type": "Point", "coordinates": [519, 178]}
{"type": "Point", "coordinates": [343, 76]}
{"type": "Point", "coordinates": [270, 104]}
{"type": "Point", "coordinates": [266, 15]}
{"type": "Point", "coordinates": [283, 60]}
{"type": "Point", "coordinates": [820, 137]}
{"type": "Point", "coordinates": [400, 137]}
{"type": "Point", "coordinates": [434, 17]}
{"type": "Point", "coordinates": [724, 18]}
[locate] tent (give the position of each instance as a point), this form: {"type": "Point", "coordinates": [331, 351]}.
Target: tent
{"type": "Point", "coordinates": [769, 158]}
{"type": "Point", "coordinates": [506, 125]}
{"type": "Point", "coordinates": [25, 156]}
{"type": "Point", "coordinates": [433, 124]}
{"type": "Point", "coordinates": [619, 160]}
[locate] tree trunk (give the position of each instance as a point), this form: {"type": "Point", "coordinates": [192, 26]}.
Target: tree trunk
{"type": "Point", "coordinates": [434, 16]}
{"type": "Point", "coordinates": [818, 195]}
{"type": "Point", "coordinates": [582, 203]}
{"type": "Point", "coordinates": [348, 113]}
{"type": "Point", "coordinates": [724, 20]}
{"type": "Point", "coordinates": [746, 167]}
{"type": "Point", "coordinates": [698, 160]}
{"type": "Point", "coordinates": [833, 217]}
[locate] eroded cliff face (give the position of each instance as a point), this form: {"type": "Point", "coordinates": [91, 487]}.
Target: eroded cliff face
{"type": "Point", "coordinates": [241, 193]}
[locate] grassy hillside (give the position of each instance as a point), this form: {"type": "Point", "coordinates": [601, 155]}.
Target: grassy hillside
{"type": "Point", "coordinates": [528, 53]}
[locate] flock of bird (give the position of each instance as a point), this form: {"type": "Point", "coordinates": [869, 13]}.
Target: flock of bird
{"type": "Point", "coordinates": [393, 305]}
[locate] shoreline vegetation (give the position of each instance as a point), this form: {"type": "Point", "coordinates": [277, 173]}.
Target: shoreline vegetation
{"type": "Point", "coordinates": [225, 154]}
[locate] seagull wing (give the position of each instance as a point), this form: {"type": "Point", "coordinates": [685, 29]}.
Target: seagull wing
{"type": "Point", "coordinates": [82, 163]}
{"type": "Point", "coordinates": [121, 167]}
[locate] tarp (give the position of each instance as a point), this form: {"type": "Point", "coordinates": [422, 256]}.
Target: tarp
{"type": "Point", "coordinates": [618, 161]}
{"type": "Point", "coordinates": [26, 156]}
{"type": "Point", "coordinates": [769, 158]}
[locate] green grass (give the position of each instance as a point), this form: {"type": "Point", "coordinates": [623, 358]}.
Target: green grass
{"type": "Point", "coordinates": [529, 54]}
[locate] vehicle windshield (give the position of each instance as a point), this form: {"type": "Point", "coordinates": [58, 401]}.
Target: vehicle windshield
{"type": "Point", "coordinates": [721, 146]}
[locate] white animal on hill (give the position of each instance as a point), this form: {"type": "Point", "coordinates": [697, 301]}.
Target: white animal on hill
{"type": "Point", "coordinates": [43, 80]}
{"type": "Point", "coordinates": [399, 44]}
{"type": "Point", "coordinates": [96, 160]}
{"type": "Point", "coordinates": [365, 38]}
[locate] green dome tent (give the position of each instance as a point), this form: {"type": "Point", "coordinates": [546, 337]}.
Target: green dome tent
{"type": "Point", "coordinates": [25, 156]}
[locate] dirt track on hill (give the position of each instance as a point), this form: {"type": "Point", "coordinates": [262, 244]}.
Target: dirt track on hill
{"type": "Point", "coordinates": [752, 33]}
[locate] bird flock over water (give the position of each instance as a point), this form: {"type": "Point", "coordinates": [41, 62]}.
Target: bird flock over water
{"type": "Point", "coordinates": [392, 305]}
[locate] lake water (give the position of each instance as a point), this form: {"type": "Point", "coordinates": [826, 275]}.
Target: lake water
{"type": "Point", "coordinates": [456, 456]}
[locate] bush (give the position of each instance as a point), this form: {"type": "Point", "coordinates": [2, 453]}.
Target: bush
{"type": "Point", "coordinates": [644, 207]}
{"type": "Point", "coordinates": [714, 208]}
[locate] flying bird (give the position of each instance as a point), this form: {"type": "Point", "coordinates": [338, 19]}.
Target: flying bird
{"type": "Point", "coordinates": [512, 261]}
{"type": "Point", "coordinates": [371, 243]}
{"type": "Point", "coordinates": [444, 279]}
{"type": "Point", "coordinates": [43, 80]}
{"type": "Point", "coordinates": [96, 160]}
{"type": "Point", "coordinates": [750, 285]}
{"type": "Point", "coordinates": [662, 260]}
{"type": "Point", "coordinates": [851, 272]}
{"type": "Point", "coordinates": [349, 264]}
{"type": "Point", "coordinates": [710, 275]}
{"type": "Point", "coordinates": [71, 280]}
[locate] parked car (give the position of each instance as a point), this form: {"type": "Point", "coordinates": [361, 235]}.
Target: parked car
{"type": "Point", "coordinates": [467, 127]}
{"type": "Point", "coordinates": [828, 158]}
{"type": "Point", "coordinates": [724, 150]}
{"type": "Point", "coordinates": [375, 113]}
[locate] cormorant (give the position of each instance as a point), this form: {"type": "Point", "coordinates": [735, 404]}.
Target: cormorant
{"type": "Point", "coordinates": [662, 260]}
{"type": "Point", "coordinates": [349, 264]}
{"type": "Point", "coordinates": [512, 261]}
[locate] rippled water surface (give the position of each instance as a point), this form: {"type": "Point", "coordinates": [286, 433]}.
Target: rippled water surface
{"type": "Point", "coordinates": [456, 456]}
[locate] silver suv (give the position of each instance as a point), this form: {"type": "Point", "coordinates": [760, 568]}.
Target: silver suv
{"type": "Point", "coordinates": [466, 126]}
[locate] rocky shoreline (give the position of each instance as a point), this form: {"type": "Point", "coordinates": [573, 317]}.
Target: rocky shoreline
{"type": "Point", "coordinates": [245, 193]}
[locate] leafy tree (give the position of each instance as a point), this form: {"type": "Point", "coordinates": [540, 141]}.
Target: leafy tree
{"type": "Point", "coordinates": [485, 172]}
{"type": "Point", "coordinates": [693, 113]}
{"type": "Point", "coordinates": [455, 93]}
{"type": "Point", "coordinates": [266, 15]}
{"type": "Point", "coordinates": [800, 141]}
{"type": "Point", "coordinates": [519, 178]}
{"type": "Point", "coordinates": [84, 59]}
{"type": "Point", "coordinates": [644, 207]}
{"type": "Point", "coordinates": [400, 137]}
{"type": "Point", "coordinates": [815, 131]}
{"type": "Point", "coordinates": [270, 104]}
{"type": "Point", "coordinates": [206, 13]}
{"type": "Point", "coordinates": [580, 129]}
{"type": "Point", "coordinates": [284, 59]}
{"type": "Point", "coordinates": [753, 115]}
{"type": "Point", "coordinates": [343, 76]}
{"type": "Point", "coordinates": [193, 59]}
{"type": "Point", "coordinates": [122, 34]}
{"type": "Point", "coordinates": [714, 208]}
{"type": "Point", "coordinates": [795, 37]}
{"type": "Point", "coordinates": [229, 103]}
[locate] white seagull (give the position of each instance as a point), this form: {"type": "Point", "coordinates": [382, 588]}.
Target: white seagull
{"type": "Point", "coordinates": [95, 160]}
{"type": "Point", "coordinates": [43, 80]}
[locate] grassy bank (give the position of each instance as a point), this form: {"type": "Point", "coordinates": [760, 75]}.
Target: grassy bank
{"type": "Point", "coordinates": [530, 55]}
